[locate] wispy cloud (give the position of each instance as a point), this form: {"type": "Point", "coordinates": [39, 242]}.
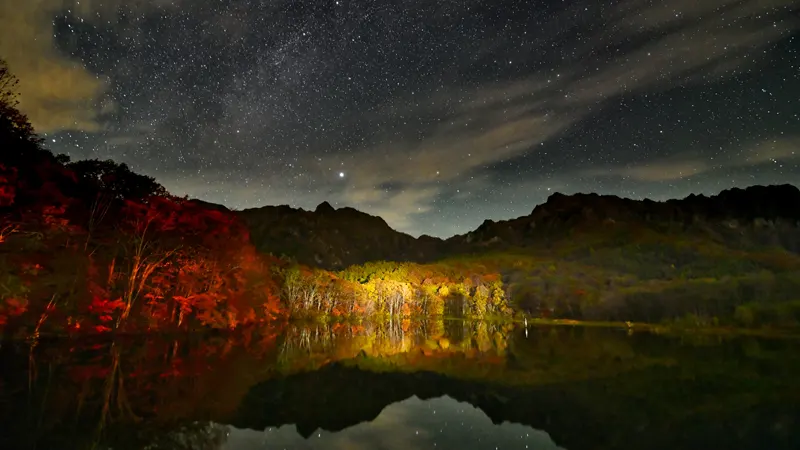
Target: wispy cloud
{"type": "Point", "coordinates": [773, 150]}
{"type": "Point", "coordinates": [664, 170]}
{"type": "Point", "coordinates": [690, 164]}
{"type": "Point", "coordinates": [697, 42]}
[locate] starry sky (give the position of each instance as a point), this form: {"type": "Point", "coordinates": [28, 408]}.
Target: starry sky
{"type": "Point", "coordinates": [433, 115]}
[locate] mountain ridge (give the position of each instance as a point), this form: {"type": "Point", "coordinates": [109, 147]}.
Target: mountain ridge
{"type": "Point", "coordinates": [563, 213]}
{"type": "Point", "coordinates": [334, 238]}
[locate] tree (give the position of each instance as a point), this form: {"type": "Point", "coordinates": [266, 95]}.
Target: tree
{"type": "Point", "coordinates": [37, 173]}
{"type": "Point", "coordinates": [15, 128]}
{"type": "Point", "coordinates": [8, 185]}
{"type": "Point", "coordinates": [115, 179]}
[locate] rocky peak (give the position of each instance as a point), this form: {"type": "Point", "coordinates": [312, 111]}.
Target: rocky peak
{"type": "Point", "coordinates": [324, 208]}
{"type": "Point", "coordinates": [333, 238]}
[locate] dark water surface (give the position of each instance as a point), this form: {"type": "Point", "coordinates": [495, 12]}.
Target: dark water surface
{"type": "Point", "coordinates": [432, 385]}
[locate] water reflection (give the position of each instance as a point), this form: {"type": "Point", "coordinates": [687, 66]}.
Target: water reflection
{"type": "Point", "coordinates": [442, 423]}
{"type": "Point", "coordinates": [374, 384]}
{"type": "Point", "coordinates": [314, 343]}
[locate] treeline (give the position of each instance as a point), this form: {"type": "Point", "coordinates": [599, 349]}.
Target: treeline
{"type": "Point", "coordinates": [158, 263]}
{"type": "Point", "coordinates": [381, 290]}
{"type": "Point", "coordinates": [768, 295]}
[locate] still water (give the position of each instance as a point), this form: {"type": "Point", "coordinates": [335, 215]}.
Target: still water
{"type": "Point", "coordinates": [404, 385]}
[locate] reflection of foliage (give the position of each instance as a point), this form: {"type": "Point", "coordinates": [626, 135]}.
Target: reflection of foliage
{"type": "Point", "coordinates": [586, 387]}
{"type": "Point", "coordinates": [394, 341]}
{"type": "Point", "coordinates": [128, 394]}
{"type": "Point", "coordinates": [178, 388]}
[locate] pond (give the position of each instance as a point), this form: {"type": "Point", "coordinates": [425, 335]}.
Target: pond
{"type": "Point", "coordinates": [433, 384]}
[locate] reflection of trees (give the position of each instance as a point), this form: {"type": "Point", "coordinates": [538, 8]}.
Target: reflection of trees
{"type": "Point", "coordinates": [457, 330]}
{"type": "Point", "coordinates": [126, 394]}
{"type": "Point", "coordinates": [314, 344]}
{"type": "Point", "coordinates": [561, 379]}
{"type": "Point", "coordinates": [116, 406]}
{"type": "Point", "coordinates": [588, 388]}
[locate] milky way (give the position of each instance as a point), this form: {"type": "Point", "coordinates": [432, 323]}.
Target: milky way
{"type": "Point", "coordinates": [433, 115]}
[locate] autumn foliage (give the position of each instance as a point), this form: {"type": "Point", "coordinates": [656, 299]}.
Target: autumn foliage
{"type": "Point", "coordinates": [91, 246]}
{"type": "Point", "coordinates": [394, 291]}
{"type": "Point", "coordinates": [160, 263]}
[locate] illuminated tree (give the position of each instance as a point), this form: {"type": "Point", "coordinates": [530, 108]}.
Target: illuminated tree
{"type": "Point", "coordinates": [480, 301]}
{"type": "Point", "coordinates": [8, 185]}
{"type": "Point", "coordinates": [291, 283]}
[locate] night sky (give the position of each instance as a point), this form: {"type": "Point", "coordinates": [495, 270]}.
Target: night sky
{"type": "Point", "coordinates": [432, 114]}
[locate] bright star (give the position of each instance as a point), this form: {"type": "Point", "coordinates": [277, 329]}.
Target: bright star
{"type": "Point", "coordinates": [341, 174]}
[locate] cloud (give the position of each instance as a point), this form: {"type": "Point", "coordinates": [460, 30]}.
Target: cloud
{"type": "Point", "coordinates": [700, 42]}
{"type": "Point", "coordinates": [773, 150]}
{"type": "Point", "coordinates": [690, 164]}
{"type": "Point", "coordinates": [638, 16]}
{"type": "Point", "coordinates": [484, 130]}
{"type": "Point", "coordinates": [397, 209]}
{"type": "Point", "coordinates": [661, 170]}
{"type": "Point", "coordinates": [57, 92]}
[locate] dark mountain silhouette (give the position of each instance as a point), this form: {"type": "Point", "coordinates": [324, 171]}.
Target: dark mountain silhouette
{"type": "Point", "coordinates": [335, 238]}
{"type": "Point", "coordinates": [757, 215]}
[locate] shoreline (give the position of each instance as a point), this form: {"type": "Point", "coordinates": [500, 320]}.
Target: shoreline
{"type": "Point", "coordinates": [533, 322]}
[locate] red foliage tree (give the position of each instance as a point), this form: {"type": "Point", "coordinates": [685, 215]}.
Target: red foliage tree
{"type": "Point", "coordinates": [8, 185]}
